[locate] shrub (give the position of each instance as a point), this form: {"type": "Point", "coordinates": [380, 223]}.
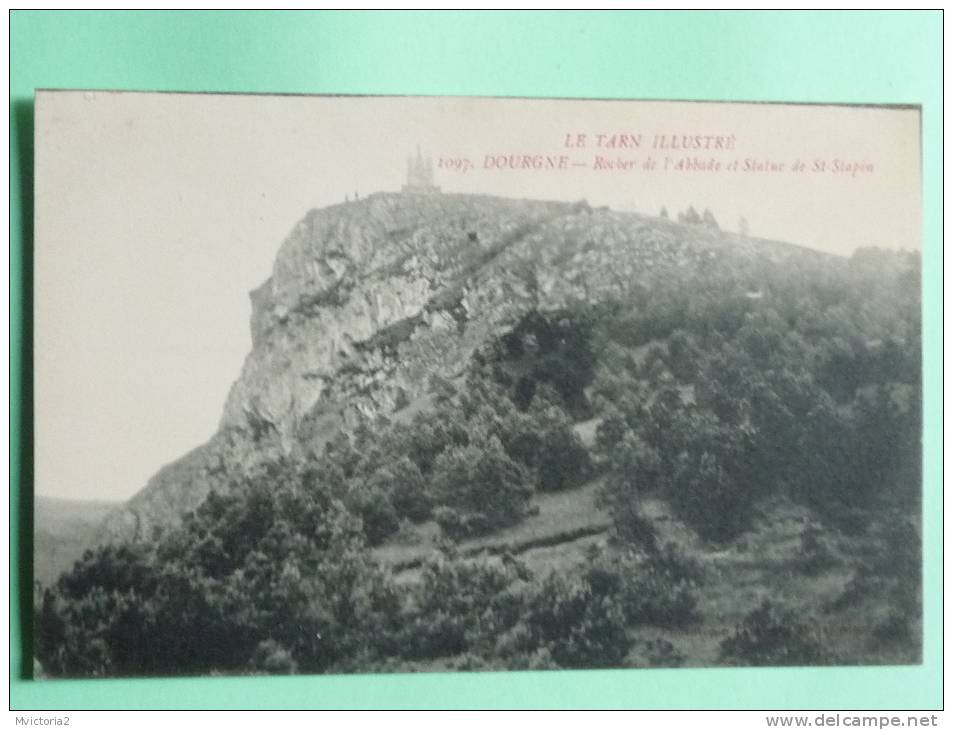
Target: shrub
{"type": "Point", "coordinates": [709, 498]}
{"type": "Point", "coordinates": [460, 606]}
{"type": "Point", "coordinates": [892, 570]}
{"type": "Point", "coordinates": [461, 525]}
{"type": "Point", "coordinates": [610, 431]}
{"type": "Point", "coordinates": [634, 469]}
{"type": "Point", "coordinates": [482, 484]}
{"type": "Point", "coordinates": [662, 653]}
{"type": "Point", "coordinates": [894, 629]}
{"type": "Point", "coordinates": [376, 510]}
{"type": "Point", "coordinates": [492, 615]}
{"type": "Point", "coordinates": [409, 491]}
{"type": "Point", "coordinates": [655, 588]}
{"type": "Point", "coordinates": [774, 636]}
{"type": "Point", "coordinates": [406, 534]}
{"type": "Point", "coordinates": [814, 555]}
{"type": "Point", "coordinates": [708, 474]}
{"type": "Point", "coordinates": [520, 436]}
{"type": "Point", "coordinates": [551, 350]}
{"type": "Point", "coordinates": [563, 459]}
{"type": "Point", "coordinates": [683, 356]}
{"type": "Point", "coordinates": [430, 434]}
{"type": "Point", "coordinates": [689, 216]}
{"type": "Point", "coordinates": [579, 623]}
{"type": "Point", "coordinates": [270, 657]}
{"type": "Point", "coordinates": [275, 559]}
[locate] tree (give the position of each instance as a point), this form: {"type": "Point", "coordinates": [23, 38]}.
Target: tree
{"type": "Point", "coordinates": [270, 657]}
{"type": "Point", "coordinates": [655, 587]}
{"type": "Point", "coordinates": [428, 434]}
{"type": "Point", "coordinates": [274, 570]}
{"type": "Point", "coordinates": [563, 460]}
{"type": "Point", "coordinates": [520, 437]}
{"type": "Point", "coordinates": [579, 623]}
{"type": "Point", "coordinates": [482, 484]}
{"type": "Point", "coordinates": [462, 606]}
{"type": "Point", "coordinates": [683, 356]}
{"type": "Point", "coordinates": [635, 469]}
{"type": "Point", "coordinates": [372, 503]}
{"type": "Point", "coordinates": [712, 485]}
{"type": "Point", "coordinates": [774, 636]}
{"type": "Point", "coordinates": [103, 598]}
{"type": "Point", "coordinates": [410, 492]}
{"type": "Point", "coordinates": [690, 216]}
{"type": "Point", "coordinates": [548, 349]}
{"type": "Point", "coordinates": [611, 430]}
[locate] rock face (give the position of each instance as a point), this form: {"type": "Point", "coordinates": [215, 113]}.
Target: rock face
{"type": "Point", "coordinates": [370, 300]}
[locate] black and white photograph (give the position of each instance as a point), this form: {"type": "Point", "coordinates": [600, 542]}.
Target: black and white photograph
{"type": "Point", "coordinates": [368, 384]}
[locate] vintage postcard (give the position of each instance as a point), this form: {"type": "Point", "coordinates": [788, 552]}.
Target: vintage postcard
{"type": "Point", "coordinates": [395, 384]}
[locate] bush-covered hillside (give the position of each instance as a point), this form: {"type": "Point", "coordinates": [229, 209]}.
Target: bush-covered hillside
{"type": "Point", "coordinates": [762, 422]}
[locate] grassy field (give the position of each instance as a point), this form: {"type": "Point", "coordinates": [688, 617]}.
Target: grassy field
{"type": "Point", "coordinates": [559, 521]}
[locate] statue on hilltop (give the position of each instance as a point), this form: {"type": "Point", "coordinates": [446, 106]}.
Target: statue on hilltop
{"type": "Point", "coordinates": [420, 175]}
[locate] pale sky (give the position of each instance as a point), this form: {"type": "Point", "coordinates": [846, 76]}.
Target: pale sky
{"type": "Point", "coordinates": [156, 214]}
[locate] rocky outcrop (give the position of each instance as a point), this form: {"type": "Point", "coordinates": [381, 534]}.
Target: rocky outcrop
{"type": "Point", "coordinates": [369, 300]}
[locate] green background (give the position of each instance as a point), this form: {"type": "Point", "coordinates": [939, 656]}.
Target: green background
{"type": "Point", "coordinates": [885, 57]}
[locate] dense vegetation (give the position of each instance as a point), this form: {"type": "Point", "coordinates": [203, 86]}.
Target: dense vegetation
{"type": "Point", "coordinates": [758, 381]}
{"type": "Point", "coordinates": [812, 392]}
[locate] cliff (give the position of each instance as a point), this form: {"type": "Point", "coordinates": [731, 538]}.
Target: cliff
{"type": "Point", "coordinates": [369, 301]}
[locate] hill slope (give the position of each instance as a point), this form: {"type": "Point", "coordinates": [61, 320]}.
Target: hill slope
{"type": "Point", "coordinates": [476, 433]}
{"type": "Point", "coordinates": [369, 302]}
